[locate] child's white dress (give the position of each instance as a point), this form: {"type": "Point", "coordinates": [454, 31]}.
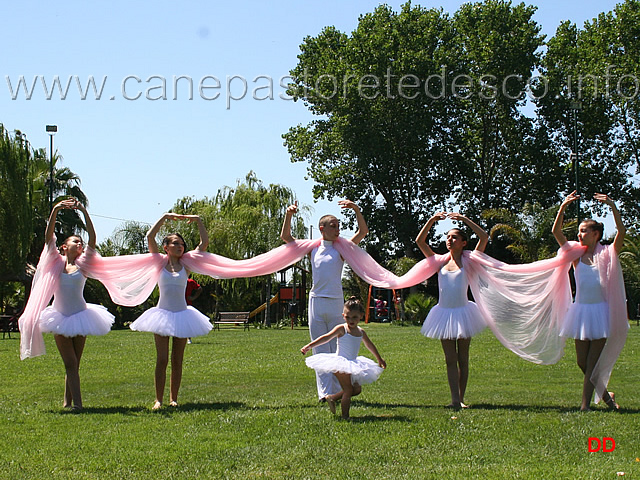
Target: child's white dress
{"type": "Point", "coordinates": [588, 317]}
{"type": "Point", "coordinates": [173, 317]}
{"type": "Point", "coordinates": [70, 315]}
{"type": "Point", "coordinates": [454, 316]}
{"type": "Point", "coordinates": [363, 370]}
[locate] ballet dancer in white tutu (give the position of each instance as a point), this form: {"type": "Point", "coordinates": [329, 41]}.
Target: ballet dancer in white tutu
{"type": "Point", "coordinates": [172, 317]}
{"type": "Point", "coordinates": [454, 320]}
{"type": "Point", "coordinates": [69, 318]}
{"type": "Point", "coordinates": [351, 370]}
{"type": "Point", "coordinates": [597, 320]}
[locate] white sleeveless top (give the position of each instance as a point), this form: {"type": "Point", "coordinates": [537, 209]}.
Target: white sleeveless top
{"type": "Point", "coordinates": [348, 346]}
{"type": "Point", "coordinates": [453, 288]}
{"type": "Point", "coordinates": [68, 298]}
{"type": "Point", "coordinates": [588, 288]}
{"type": "Point", "coordinates": [172, 290]}
{"type": "Point", "coordinates": [326, 271]}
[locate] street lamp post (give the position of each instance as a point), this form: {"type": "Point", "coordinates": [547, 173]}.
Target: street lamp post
{"type": "Point", "coordinates": [51, 130]}
{"type": "Point", "coordinates": [576, 106]}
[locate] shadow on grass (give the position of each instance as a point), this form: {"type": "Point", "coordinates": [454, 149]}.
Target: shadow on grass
{"type": "Point", "coordinates": [166, 410]}
{"type": "Point", "coordinates": [364, 403]}
{"type": "Point", "coordinates": [547, 408]}
{"type": "Point", "coordinates": [490, 406]}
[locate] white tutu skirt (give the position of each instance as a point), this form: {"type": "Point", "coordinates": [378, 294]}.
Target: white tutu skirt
{"type": "Point", "coordinates": [182, 324]}
{"type": "Point", "coordinates": [586, 321]}
{"type": "Point", "coordinates": [363, 370]}
{"type": "Point", "coordinates": [94, 320]}
{"type": "Point", "coordinates": [453, 323]}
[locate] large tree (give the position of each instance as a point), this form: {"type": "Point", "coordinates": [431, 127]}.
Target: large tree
{"type": "Point", "coordinates": [590, 106]}
{"type": "Point", "coordinates": [16, 229]}
{"type": "Point", "coordinates": [418, 109]}
{"type": "Point", "coordinates": [380, 141]}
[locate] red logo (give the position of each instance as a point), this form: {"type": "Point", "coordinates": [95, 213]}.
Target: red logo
{"type": "Point", "coordinates": [606, 444]}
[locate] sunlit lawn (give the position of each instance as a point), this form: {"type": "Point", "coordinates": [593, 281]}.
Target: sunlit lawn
{"type": "Point", "coordinates": [248, 410]}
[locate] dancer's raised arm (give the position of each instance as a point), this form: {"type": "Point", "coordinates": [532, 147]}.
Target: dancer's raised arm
{"type": "Point", "coordinates": [91, 231]}
{"type": "Point", "coordinates": [363, 229]}
{"type": "Point", "coordinates": [421, 239]}
{"type": "Point", "coordinates": [285, 233]}
{"type": "Point", "coordinates": [557, 224]}
{"type": "Point", "coordinates": [483, 237]}
{"type": "Point", "coordinates": [51, 224]}
{"type": "Point", "coordinates": [621, 230]}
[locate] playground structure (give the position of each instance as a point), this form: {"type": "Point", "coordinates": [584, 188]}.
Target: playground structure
{"type": "Point", "coordinates": [288, 300]}
{"type": "Point", "coordinates": [382, 305]}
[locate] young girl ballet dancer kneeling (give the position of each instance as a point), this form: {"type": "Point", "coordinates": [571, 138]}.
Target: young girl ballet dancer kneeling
{"type": "Point", "coordinates": [351, 370]}
{"type": "Point", "coordinates": [454, 320]}
{"type": "Point", "coordinates": [172, 317]}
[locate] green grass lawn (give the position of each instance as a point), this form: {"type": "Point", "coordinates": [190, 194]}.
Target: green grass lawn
{"type": "Point", "coordinates": [248, 409]}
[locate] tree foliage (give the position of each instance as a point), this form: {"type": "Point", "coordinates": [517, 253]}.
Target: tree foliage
{"type": "Point", "coordinates": [24, 203]}
{"type": "Point", "coordinates": [15, 210]}
{"type": "Point", "coordinates": [242, 221]}
{"type": "Point", "coordinates": [419, 110]}
{"type": "Point", "coordinates": [592, 102]}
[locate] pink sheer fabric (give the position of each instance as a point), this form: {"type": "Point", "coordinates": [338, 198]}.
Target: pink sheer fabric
{"type": "Point", "coordinates": [130, 279]}
{"type": "Point", "coordinates": [524, 304]}
{"type": "Point", "coordinates": [49, 268]}
{"type": "Point", "coordinates": [613, 282]}
{"type": "Point", "coordinates": [371, 272]}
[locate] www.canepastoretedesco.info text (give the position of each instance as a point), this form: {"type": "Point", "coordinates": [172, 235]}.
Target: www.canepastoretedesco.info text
{"type": "Point", "coordinates": [153, 88]}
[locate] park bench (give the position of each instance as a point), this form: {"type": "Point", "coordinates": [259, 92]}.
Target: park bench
{"type": "Point", "coordinates": [231, 319]}
{"type": "Point", "coordinates": [8, 323]}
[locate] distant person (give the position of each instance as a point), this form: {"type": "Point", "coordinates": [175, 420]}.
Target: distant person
{"type": "Point", "coordinates": [381, 306]}
{"type": "Point", "coordinates": [326, 299]}
{"type": "Point", "coordinates": [351, 371]}
{"type": "Point", "coordinates": [172, 318]}
{"type": "Point", "coordinates": [597, 319]}
{"type": "Point", "coordinates": [69, 318]}
{"type": "Point", "coordinates": [454, 320]}
{"type": "Point", "coordinates": [192, 292]}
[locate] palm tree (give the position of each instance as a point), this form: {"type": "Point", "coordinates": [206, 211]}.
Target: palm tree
{"type": "Point", "coordinates": [528, 233]}
{"type": "Point", "coordinates": [65, 184]}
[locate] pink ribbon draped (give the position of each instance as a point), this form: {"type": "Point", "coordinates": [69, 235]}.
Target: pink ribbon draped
{"type": "Point", "coordinates": [45, 280]}
{"type": "Point", "coordinates": [523, 304]}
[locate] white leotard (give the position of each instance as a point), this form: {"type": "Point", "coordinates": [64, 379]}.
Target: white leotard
{"type": "Point", "coordinates": [172, 286]}
{"type": "Point", "coordinates": [68, 298]}
{"type": "Point", "coordinates": [588, 288]}
{"type": "Point", "coordinates": [453, 287]}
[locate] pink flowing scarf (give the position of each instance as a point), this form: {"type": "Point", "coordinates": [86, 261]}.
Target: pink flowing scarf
{"type": "Point", "coordinates": [524, 305]}
{"type": "Point", "coordinates": [45, 280]}
{"type": "Point", "coordinates": [130, 279]}
{"type": "Point", "coordinates": [611, 278]}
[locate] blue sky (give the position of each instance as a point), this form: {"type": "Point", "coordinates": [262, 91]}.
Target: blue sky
{"type": "Point", "coordinates": [136, 157]}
